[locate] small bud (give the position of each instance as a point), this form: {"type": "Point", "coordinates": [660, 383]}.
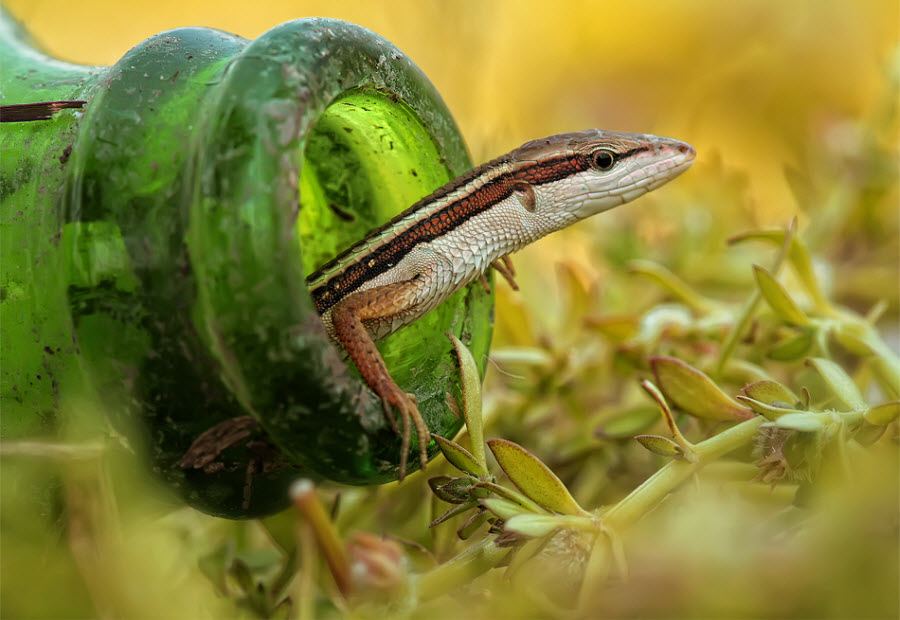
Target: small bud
{"type": "Point", "coordinates": [459, 457]}
{"type": "Point", "coordinates": [450, 490]}
{"type": "Point", "coordinates": [769, 452]}
{"type": "Point", "coordinates": [798, 255]}
{"type": "Point", "coordinates": [778, 299]}
{"type": "Point", "coordinates": [471, 400]}
{"type": "Point", "coordinates": [694, 392]}
{"type": "Point", "coordinates": [792, 347]}
{"type": "Point", "coordinates": [660, 445]}
{"type": "Point", "coordinates": [376, 563]}
{"type": "Point", "coordinates": [770, 399]}
{"type": "Point", "coordinates": [771, 393]}
{"type": "Point", "coordinates": [533, 478]}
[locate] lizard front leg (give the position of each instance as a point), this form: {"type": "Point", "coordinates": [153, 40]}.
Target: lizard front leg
{"type": "Point", "coordinates": [504, 267]}
{"type": "Point", "coordinates": [351, 319]}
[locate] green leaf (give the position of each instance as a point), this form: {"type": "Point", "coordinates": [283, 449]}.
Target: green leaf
{"type": "Point", "coordinates": [694, 392]}
{"type": "Point", "coordinates": [742, 371]}
{"type": "Point", "coordinates": [669, 419]}
{"type": "Point", "coordinates": [661, 445]}
{"type": "Point", "coordinates": [504, 509]}
{"type": "Point", "coordinates": [867, 434]}
{"type": "Point", "coordinates": [456, 510]}
{"type": "Point", "coordinates": [216, 565]}
{"type": "Point", "coordinates": [241, 573]}
{"type": "Point", "coordinates": [804, 422]}
{"type": "Point", "coordinates": [840, 383]}
{"type": "Point", "coordinates": [863, 339]}
{"type": "Point", "coordinates": [577, 298]}
{"type": "Point", "coordinates": [617, 328]}
{"type": "Point", "coordinates": [472, 524]}
{"type": "Point", "coordinates": [436, 484]}
{"type": "Point", "coordinates": [675, 285]}
{"type": "Point", "coordinates": [778, 298]}
{"type": "Point", "coordinates": [596, 570]}
{"type": "Point", "coordinates": [459, 457]}
{"type": "Point", "coordinates": [533, 478]}
{"type": "Point", "coordinates": [884, 413]}
{"type": "Point", "coordinates": [769, 411]}
{"type": "Point", "coordinates": [451, 490]}
{"type": "Point", "coordinates": [799, 257]}
{"type": "Point", "coordinates": [793, 347]}
{"type": "Point", "coordinates": [748, 310]}
{"type": "Point", "coordinates": [888, 375]}
{"type": "Point", "coordinates": [282, 529]}
{"type": "Point", "coordinates": [629, 423]}
{"type": "Point", "coordinates": [521, 554]}
{"type": "Point", "coordinates": [524, 356]}
{"type": "Point", "coordinates": [509, 494]}
{"type": "Point", "coordinates": [771, 393]}
{"type": "Point", "coordinates": [535, 526]}
{"type": "Point", "coordinates": [471, 396]}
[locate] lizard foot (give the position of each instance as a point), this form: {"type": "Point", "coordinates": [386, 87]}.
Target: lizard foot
{"type": "Point", "coordinates": [504, 267]}
{"type": "Point", "coordinates": [485, 286]}
{"type": "Point", "coordinates": [395, 399]}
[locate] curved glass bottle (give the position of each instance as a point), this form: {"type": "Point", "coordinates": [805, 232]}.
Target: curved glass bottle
{"type": "Point", "coordinates": [154, 249]}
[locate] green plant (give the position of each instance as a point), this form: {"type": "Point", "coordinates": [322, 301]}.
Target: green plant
{"type": "Point", "coordinates": [537, 521]}
{"type": "Point", "coordinates": [720, 442]}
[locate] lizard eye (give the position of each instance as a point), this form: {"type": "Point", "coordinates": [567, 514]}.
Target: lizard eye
{"type": "Point", "coordinates": [603, 159]}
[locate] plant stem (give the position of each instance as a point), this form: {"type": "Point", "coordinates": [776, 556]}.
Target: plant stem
{"type": "Point", "coordinates": [52, 450]}
{"type": "Point", "coordinates": [327, 539]}
{"type": "Point", "coordinates": [749, 308]}
{"type": "Point", "coordinates": [304, 595]}
{"type": "Point", "coordinates": [656, 487]}
{"type": "Point", "coordinates": [461, 569]}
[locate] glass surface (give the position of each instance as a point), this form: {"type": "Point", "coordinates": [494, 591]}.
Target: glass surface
{"type": "Point", "coordinates": [366, 159]}
{"type": "Point", "coordinates": [153, 252]}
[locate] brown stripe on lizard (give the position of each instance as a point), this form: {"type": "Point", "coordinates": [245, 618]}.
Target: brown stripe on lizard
{"type": "Point", "coordinates": [450, 238]}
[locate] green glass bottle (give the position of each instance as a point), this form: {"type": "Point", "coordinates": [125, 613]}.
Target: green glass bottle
{"type": "Point", "coordinates": [155, 245]}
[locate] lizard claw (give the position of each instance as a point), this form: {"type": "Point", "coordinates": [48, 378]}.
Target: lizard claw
{"type": "Point", "coordinates": [394, 398]}
{"type": "Point", "coordinates": [504, 267]}
{"type": "Point", "coordinates": [485, 286]}
{"type": "Point", "coordinates": [389, 414]}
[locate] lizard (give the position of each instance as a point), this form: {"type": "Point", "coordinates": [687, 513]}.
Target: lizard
{"type": "Point", "coordinates": [451, 237]}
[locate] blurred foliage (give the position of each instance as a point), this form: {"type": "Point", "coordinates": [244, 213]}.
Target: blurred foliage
{"type": "Point", "coordinates": [692, 407]}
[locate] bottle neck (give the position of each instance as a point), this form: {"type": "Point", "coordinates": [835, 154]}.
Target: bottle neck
{"type": "Point", "coordinates": [205, 177]}
{"type": "Point", "coordinates": [30, 75]}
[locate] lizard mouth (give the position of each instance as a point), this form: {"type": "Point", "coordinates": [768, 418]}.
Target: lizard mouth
{"type": "Point", "coordinates": [670, 163]}
{"type": "Point", "coordinates": [671, 159]}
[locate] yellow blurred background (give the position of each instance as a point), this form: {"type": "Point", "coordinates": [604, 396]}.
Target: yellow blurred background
{"type": "Point", "coordinates": [759, 87]}
{"type": "Point", "coordinates": [748, 80]}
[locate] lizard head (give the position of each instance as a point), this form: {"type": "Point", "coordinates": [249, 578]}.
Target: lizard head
{"type": "Point", "coordinates": [571, 176]}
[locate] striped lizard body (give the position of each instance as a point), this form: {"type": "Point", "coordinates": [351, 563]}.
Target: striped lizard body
{"type": "Point", "coordinates": [443, 242]}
